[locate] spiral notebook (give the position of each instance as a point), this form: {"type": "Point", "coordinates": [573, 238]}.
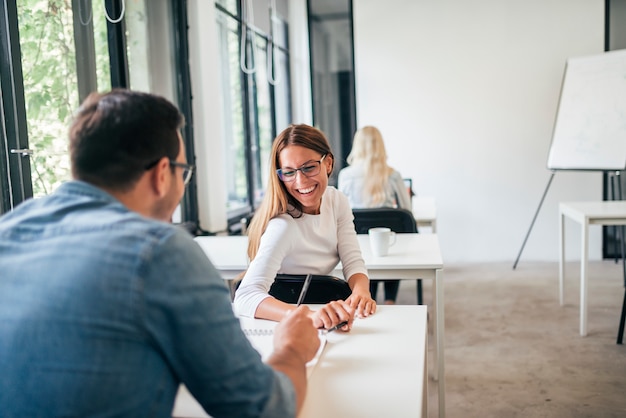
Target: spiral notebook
{"type": "Point", "coordinates": [261, 336]}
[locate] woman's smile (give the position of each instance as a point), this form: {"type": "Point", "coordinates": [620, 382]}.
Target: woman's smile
{"type": "Point", "coordinates": [307, 190]}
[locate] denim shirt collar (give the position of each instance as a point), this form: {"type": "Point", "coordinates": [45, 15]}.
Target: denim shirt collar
{"type": "Point", "coordinates": [82, 188]}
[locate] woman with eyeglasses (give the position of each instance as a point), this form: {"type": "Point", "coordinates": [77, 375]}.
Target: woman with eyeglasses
{"type": "Point", "coordinates": [303, 226]}
{"type": "Point", "coordinates": [369, 182]}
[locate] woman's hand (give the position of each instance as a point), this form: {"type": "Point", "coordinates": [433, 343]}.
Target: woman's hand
{"type": "Point", "coordinates": [362, 303]}
{"type": "Point", "coordinates": [361, 300]}
{"type": "Point", "coordinates": [332, 314]}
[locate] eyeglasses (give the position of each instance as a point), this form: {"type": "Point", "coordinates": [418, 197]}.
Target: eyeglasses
{"type": "Point", "coordinates": [309, 169]}
{"type": "Point", "coordinates": [187, 169]}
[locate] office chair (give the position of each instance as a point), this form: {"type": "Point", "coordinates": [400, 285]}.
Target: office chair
{"type": "Point", "coordinates": [322, 289]}
{"type": "Point", "coordinates": [398, 220]}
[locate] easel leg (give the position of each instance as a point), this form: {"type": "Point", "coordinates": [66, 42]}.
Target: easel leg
{"type": "Point", "coordinates": [534, 219]}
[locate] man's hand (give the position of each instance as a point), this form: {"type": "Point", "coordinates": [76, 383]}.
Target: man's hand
{"type": "Point", "coordinates": [296, 341]}
{"type": "Point", "coordinates": [333, 313]}
{"type": "Point", "coordinates": [297, 335]}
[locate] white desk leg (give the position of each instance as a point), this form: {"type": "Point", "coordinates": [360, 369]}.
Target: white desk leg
{"type": "Point", "coordinates": [583, 277]}
{"type": "Point", "coordinates": [433, 226]}
{"type": "Point", "coordinates": [439, 327]}
{"type": "Point", "coordinates": [561, 255]}
{"type": "Point", "coordinates": [425, 382]}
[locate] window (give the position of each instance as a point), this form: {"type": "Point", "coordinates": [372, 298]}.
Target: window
{"type": "Point", "coordinates": [332, 72]}
{"type": "Point", "coordinates": [50, 87]}
{"type": "Point", "coordinates": [256, 102]}
{"type": "Point", "coordinates": [232, 102]}
{"type": "Point", "coordinates": [60, 51]}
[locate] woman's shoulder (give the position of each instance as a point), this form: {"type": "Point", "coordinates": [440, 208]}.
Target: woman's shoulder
{"type": "Point", "coordinates": [395, 174]}
{"type": "Point", "coordinates": [352, 170]}
{"type": "Point", "coordinates": [334, 198]}
{"type": "Point", "coordinates": [332, 193]}
{"type": "Point", "coordinates": [282, 221]}
{"type": "Point", "coordinates": [279, 229]}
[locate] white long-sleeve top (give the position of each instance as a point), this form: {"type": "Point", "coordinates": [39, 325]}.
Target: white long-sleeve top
{"type": "Point", "coordinates": [351, 182]}
{"type": "Point", "coordinates": [309, 244]}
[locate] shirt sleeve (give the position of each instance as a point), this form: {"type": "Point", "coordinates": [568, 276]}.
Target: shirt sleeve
{"type": "Point", "coordinates": [347, 243]}
{"type": "Point", "coordinates": [342, 184]}
{"type": "Point", "coordinates": [276, 243]}
{"type": "Point", "coordinates": [187, 313]}
{"type": "Point", "coordinates": [351, 187]}
{"type": "Point", "coordinates": [402, 195]}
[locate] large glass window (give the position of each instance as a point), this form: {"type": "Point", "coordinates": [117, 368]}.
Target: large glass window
{"type": "Point", "coordinates": [232, 103]}
{"type": "Point", "coordinates": [263, 125]}
{"type": "Point", "coordinates": [332, 72]}
{"type": "Point", "coordinates": [58, 52]}
{"type": "Point", "coordinates": [254, 61]}
{"type": "Point", "coordinates": [50, 87]}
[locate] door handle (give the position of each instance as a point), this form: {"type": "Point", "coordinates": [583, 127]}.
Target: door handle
{"type": "Point", "coordinates": [22, 152]}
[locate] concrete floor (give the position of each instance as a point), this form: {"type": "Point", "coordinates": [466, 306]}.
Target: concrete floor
{"type": "Point", "coordinates": [512, 351]}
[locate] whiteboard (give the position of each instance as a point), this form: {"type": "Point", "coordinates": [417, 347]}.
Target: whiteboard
{"type": "Point", "coordinates": [590, 127]}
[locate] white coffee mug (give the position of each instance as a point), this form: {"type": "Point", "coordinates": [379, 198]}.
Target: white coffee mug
{"type": "Point", "coordinates": [380, 240]}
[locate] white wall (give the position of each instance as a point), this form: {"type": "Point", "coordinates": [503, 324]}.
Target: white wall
{"type": "Point", "coordinates": [465, 94]}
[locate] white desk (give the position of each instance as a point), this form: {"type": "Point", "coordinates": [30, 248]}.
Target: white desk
{"type": "Point", "coordinates": [586, 213]}
{"type": "Point", "coordinates": [425, 212]}
{"type": "Point", "coordinates": [413, 256]}
{"type": "Point", "coordinates": [376, 370]}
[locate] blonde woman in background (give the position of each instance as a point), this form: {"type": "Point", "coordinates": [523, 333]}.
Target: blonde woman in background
{"type": "Point", "coordinates": [369, 182]}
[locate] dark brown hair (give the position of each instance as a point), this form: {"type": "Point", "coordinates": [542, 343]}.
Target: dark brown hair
{"type": "Point", "coordinates": [116, 136]}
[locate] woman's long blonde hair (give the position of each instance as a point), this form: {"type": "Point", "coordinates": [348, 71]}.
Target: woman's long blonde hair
{"type": "Point", "coordinates": [277, 199]}
{"type": "Point", "coordinates": [368, 149]}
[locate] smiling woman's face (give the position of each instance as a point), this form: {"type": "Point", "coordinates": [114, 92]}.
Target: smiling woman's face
{"type": "Point", "coordinates": [306, 190]}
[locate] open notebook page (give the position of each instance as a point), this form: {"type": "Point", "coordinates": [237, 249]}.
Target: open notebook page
{"type": "Point", "coordinates": [260, 333]}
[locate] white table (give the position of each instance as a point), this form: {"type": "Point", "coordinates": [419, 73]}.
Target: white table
{"type": "Point", "coordinates": [413, 256]}
{"type": "Point", "coordinates": [376, 370]}
{"type": "Point", "coordinates": [425, 212]}
{"type": "Point", "coordinates": [586, 213]}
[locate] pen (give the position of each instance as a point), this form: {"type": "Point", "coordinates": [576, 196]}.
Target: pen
{"type": "Point", "coordinates": [305, 287]}
{"type": "Point", "coordinates": [336, 327]}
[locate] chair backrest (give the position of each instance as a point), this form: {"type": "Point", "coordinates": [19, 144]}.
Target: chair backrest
{"type": "Point", "coordinates": [322, 289]}
{"type": "Point", "coordinates": [408, 182]}
{"type": "Point", "coordinates": [398, 220]}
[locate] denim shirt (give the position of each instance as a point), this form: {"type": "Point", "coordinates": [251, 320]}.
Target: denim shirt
{"type": "Point", "coordinates": [104, 313]}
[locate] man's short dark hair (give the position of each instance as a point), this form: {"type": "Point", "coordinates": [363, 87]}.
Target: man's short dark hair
{"type": "Point", "coordinates": [116, 136]}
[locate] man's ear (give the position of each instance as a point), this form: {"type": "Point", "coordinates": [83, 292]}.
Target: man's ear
{"type": "Point", "coordinates": [161, 177]}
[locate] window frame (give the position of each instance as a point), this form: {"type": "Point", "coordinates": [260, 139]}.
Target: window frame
{"type": "Point", "coordinates": [16, 179]}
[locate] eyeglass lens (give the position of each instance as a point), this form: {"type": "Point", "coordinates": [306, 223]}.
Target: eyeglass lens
{"type": "Point", "coordinates": [309, 170]}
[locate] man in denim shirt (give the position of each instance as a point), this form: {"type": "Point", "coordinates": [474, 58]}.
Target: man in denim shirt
{"type": "Point", "coordinates": [105, 307]}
